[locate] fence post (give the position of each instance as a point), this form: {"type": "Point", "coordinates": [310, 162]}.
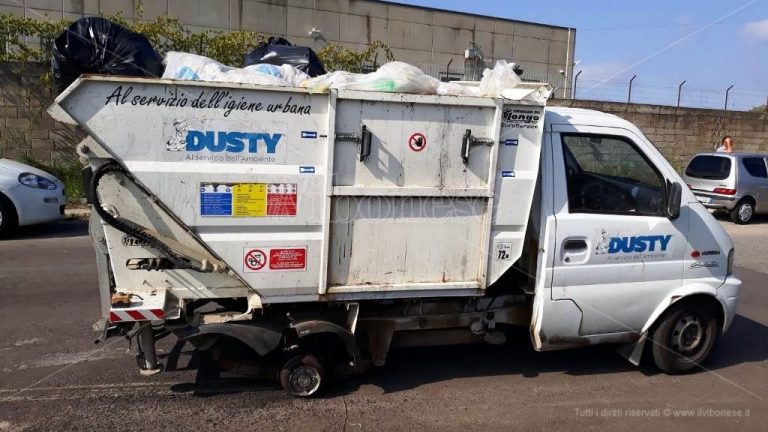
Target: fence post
{"type": "Point", "coordinates": [575, 82]}
{"type": "Point", "coordinates": [629, 95]}
{"type": "Point", "coordinates": [726, 97]}
{"type": "Point", "coordinates": [679, 92]}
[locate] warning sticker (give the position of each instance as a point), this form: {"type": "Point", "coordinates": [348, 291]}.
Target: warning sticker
{"type": "Point", "coordinates": [248, 199]}
{"type": "Point", "coordinates": [417, 142]}
{"type": "Point", "coordinates": [274, 259]}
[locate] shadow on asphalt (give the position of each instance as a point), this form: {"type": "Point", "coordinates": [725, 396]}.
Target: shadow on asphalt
{"type": "Point", "coordinates": [60, 229]}
{"type": "Point", "coordinates": [410, 368]}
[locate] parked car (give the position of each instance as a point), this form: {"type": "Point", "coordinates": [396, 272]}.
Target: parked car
{"type": "Point", "coordinates": [733, 182]}
{"type": "Point", "coordinates": [28, 196]}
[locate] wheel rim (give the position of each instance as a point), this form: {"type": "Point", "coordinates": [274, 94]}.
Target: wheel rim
{"type": "Point", "coordinates": [688, 335]}
{"type": "Point", "coordinates": [304, 381]}
{"type": "Point", "coordinates": [745, 211]}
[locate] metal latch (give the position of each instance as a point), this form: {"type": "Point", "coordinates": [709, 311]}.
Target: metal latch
{"type": "Point", "coordinates": [364, 139]}
{"type": "Point", "coordinates": [468, 140]}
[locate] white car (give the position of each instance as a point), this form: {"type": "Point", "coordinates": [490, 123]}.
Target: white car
{"type": "Point", "coordinates": [28, 196]}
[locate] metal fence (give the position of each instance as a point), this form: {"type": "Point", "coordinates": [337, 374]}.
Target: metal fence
{"type": "Point", "coordinates": [636, 91]}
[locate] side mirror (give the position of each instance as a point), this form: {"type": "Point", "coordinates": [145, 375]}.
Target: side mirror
{"type": "Point", "coordinates": [674, 196]}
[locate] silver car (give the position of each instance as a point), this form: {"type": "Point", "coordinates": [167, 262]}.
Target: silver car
{"type": "Point", "coordinates": [732, 182]}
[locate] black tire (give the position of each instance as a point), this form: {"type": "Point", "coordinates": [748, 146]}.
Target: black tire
{"type": "Point", "coordinates": [744, 211]}
{"type": "Point", "coordinates": [684, 337]}
{"type": "Point", "coordinates": [303, 376]}
{"type": "Point", "coordinates": [8, 218]}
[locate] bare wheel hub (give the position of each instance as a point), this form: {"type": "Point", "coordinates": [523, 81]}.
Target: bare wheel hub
{"type": "Point", "coordinates": [688, 334]}
{"type": "Point", "coordinates": [304, 380]}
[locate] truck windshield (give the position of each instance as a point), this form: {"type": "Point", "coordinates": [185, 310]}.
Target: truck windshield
{"type": "Point", "coordinates": [709, 167]}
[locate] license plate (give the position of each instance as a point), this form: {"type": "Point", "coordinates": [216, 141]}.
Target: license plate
{"type": "Point", "coordinates": [704, 199]}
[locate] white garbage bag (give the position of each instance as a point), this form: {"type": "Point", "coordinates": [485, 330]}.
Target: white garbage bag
{"type": "Point", "coordinates": [330, 80]}
{"type": "Point", "coordinates": [393, 77]}
{"type": "Point", "coordinates": [185, 66]}
{"type": "Point", "coordinates": [454, 89]}
{"type": "Point", "coordinates": [501, 77]}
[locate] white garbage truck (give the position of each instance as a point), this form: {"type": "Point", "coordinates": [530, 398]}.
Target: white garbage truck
{"type": "Point", "coordinates": [298, 235]}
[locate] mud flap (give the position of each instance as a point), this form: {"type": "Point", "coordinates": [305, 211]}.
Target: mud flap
{"type": "Point", "coordinates": [261, 338]}
{"type": "Point", "coordinates": [633, 351]}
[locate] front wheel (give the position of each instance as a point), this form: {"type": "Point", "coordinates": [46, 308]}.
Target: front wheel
{"type": "Point", "coordinates": [743, 212]}
{"type": "Point", "coordinates": [303, 376]}
{"type": "Point", "coordinates": [8, 220]}
{"type": "Point", "coordinates": [684, 338]}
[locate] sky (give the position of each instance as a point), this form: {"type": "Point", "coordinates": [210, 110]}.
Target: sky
{"type": "Point", "coordinates": [711, 44]}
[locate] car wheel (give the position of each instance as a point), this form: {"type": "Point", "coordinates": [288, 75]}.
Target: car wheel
{"type": "Point", "coordinates": [743, 212]}
{"type": "Point", "coordinates": [685, 337]}
{"type": "Point", "coordinates": [8, 219]}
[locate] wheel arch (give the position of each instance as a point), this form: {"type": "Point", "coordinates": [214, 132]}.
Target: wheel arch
{"type": "Point", "coordinates": [307, 330]}
{"type": "Point", "coordinates": [701, 296]}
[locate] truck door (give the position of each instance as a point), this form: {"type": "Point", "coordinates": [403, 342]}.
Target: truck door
{"type": "Point", "coordinates": [616, 254]}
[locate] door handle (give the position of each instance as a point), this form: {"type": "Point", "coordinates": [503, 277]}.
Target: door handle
{"type": "Point", "coordinates": [576, 245]}
{"type": "Point", "coordinates": [364, 139]}
{"type": "Point", "coordinates": [468, 140]}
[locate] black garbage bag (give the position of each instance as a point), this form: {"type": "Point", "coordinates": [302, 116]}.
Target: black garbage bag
{"type": "Point", "coordinates": [278, 51]}
{"type": "Point", "coordinates": [99, 46]}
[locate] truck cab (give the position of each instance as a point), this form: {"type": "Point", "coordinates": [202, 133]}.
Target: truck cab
{"type": "Point", "coordinates": [615, 257]}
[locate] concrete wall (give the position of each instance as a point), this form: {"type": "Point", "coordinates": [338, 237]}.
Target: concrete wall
{"type": "Point", "coordinates": [679, 133]}
{"type": "Point", "coordinates": [420, 36]}
{"type": "Point", "coordinates": [25, 128]}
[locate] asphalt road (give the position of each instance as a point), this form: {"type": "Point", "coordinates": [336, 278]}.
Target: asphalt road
{"type": "Point", "coordinates": [52, 377]}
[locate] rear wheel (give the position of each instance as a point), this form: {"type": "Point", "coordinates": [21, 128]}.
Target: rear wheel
{"type": "Point", "coordinates": [303, 376]}
{"type": "Point", "coordinates": [8, 220]}
{"type": "Point", "coordinates": [743, 212]}
{"type": "Point", "coordinates": [685, 337]}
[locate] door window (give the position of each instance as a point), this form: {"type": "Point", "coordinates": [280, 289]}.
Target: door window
{"type": "Point", "coordinates": [607, 174]}
{"type": "Point", "coordinates": [755, 166]}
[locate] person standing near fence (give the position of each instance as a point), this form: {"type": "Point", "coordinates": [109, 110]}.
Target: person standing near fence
{"type": "Point", "coordinates": [726, 145]}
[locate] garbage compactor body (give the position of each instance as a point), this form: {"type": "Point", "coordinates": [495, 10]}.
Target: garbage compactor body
{"type": "Point", "coordinates": [288, 196]}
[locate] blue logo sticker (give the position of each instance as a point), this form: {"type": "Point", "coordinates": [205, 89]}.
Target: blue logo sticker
{"type": "Point", "coordinates": [639, 244]}
{"type": "Point", "coordinates": [510, 142]}
{"type": "Point", "coordinates": [232, 142]}
{"type": "Point", "coordinates": [306, 170]}
{"type": "Point", "coordinates": [308, 134]}
{"type": "Point", "coordinates": [507, 173]}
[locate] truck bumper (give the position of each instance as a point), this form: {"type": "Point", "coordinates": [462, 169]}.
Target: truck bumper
{"type": "Point", "coordinates": [729, 294]}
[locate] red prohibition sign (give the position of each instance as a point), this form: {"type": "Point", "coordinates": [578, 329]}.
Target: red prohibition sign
{"type": "Point", "coordinates": [417, 142]}
{"type": "Point", "coordinates": [255, 259]}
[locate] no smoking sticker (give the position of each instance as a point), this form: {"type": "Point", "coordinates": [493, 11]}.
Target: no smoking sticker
{"type": "Point", "coordinates": [274, 259]}
{"type": "Point", "coordinates": [255, 260]}
{"type": "Point", "coordinates": [417, 142]}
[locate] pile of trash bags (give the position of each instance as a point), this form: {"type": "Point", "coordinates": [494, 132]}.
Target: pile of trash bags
{"type": "Point", "coordinates": [97, 45]}
{"type": "Point", "coordinates": [394, 77]}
